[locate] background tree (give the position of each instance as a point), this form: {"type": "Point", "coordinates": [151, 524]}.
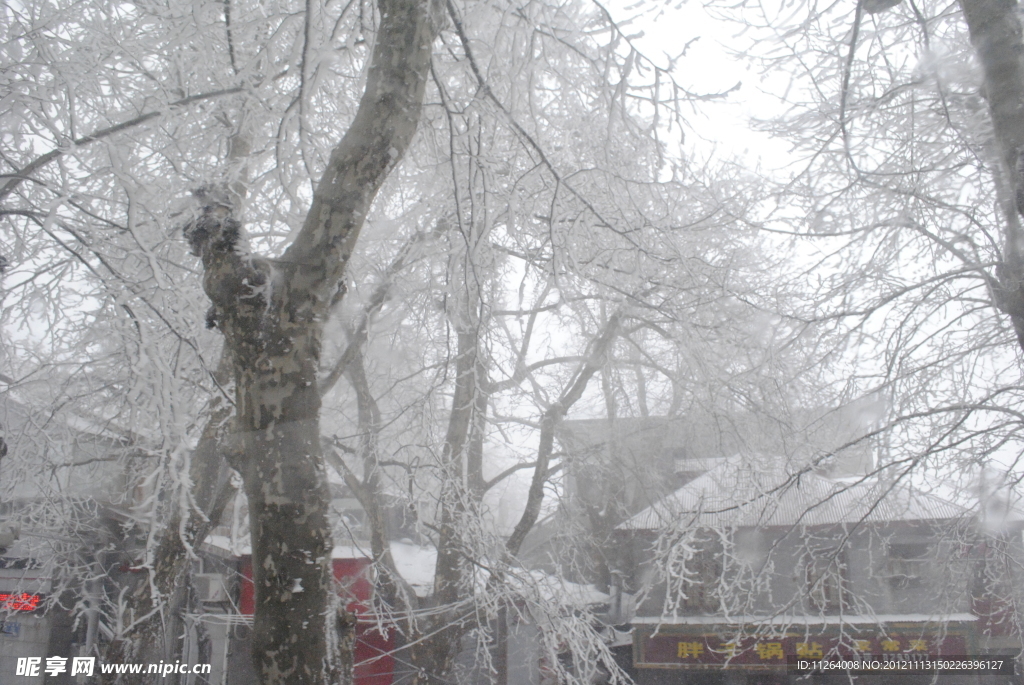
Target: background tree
{"type": "Point", "coordinates": [901, 198]}
{"type": "Point", "coordinates": [462, 360]}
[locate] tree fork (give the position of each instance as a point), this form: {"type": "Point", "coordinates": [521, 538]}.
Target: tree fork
{"type": "Point", "coordinates": [271, 313]}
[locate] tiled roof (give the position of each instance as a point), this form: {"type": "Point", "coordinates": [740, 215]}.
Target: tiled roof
{"type": "Point", "coordinates": [760, 491]}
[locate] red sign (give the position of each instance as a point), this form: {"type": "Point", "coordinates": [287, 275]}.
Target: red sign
{"type": "Point", "coordinates": [19, 602]}
{"type": "Point", "coordinates": [676, 648]}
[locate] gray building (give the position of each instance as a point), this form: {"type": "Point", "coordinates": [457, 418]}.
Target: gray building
{"type": "Point", "coordinates": [759, 560]}
{"type": "Point", "coordinates": [66, 495]}
{"type": "Point", "coordinates": [616, 468]}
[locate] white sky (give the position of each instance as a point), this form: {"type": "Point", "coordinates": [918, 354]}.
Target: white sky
{"type": "Point", "coordinates": [711, 66]}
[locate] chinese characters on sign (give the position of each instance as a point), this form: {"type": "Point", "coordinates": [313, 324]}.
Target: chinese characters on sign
{"type": "Point", "coordinates": [712, 649]}
{"type": "Point", "coordinates": [767, 651]}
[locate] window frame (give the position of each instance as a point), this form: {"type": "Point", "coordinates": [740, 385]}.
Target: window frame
{"type": "Point", "coordinates": [907, 571]}
{"type": "Point", "coordinates": [825, 580]}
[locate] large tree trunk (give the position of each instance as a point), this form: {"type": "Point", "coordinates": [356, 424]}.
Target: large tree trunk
{"type": "Point", "coordinates": [272, 314]}
{"type": "Point", "coordinates": [996, 34]}
{"type": "Point", "coordinates": [288, 501]}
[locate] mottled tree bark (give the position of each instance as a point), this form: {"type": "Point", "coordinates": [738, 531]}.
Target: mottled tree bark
{"type": "Point", "coordinates": [995, 30]}
{"type": "Point", "coordinates": [271, 313]}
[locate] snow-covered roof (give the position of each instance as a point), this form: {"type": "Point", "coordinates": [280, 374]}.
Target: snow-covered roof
{"type": "Point", "coordinates": [416, 564]}
{"type": "Point", "coordinates": [550, 588]}
{"type": "Point", "coordinates": [762, 491]}
{"type": "Point", "coordinates": [18, 416]}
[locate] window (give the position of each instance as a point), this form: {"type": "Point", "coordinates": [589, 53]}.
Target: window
{"type": "Point", "coordinates": [825, 574]}
{"type": "Point", "coordinates": [907, 564]}
{"type": "Point", "coordinates": [701, 597]}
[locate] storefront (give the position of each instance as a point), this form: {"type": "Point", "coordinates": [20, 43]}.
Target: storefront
{"type": "Point", "coordinates": [24, 630]}
{"type": "Point", "coordinates": [696, 651]}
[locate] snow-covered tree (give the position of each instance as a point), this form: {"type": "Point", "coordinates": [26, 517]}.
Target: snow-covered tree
{"type": "Point", "coordinates": [537, 221]}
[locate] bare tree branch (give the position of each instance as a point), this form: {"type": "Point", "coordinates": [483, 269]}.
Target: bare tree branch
{"type": "Point", "coordinates": [552, 417]}
{"type": "Point", "coordinates": [39, 162]}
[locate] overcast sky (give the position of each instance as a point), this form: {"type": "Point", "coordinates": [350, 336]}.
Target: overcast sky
{"type": "Point", "coordinates": [710, 65]}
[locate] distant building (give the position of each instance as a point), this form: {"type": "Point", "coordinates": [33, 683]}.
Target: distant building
{"type": "Point", "coordinates": [768, 561]}
{"type": "Point", "coordinates": [220, 633]}
{"type": "Point", "coordinates": [65, 491]}
{"type": "Point", "coordinates": [615, 468]}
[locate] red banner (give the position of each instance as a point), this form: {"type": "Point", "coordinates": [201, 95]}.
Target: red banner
{"type": "Point", "coordinates": [691, 647]}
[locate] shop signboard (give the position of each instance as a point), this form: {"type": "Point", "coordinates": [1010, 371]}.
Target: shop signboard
{"type": "Point", "coordinates": [768, 647]}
